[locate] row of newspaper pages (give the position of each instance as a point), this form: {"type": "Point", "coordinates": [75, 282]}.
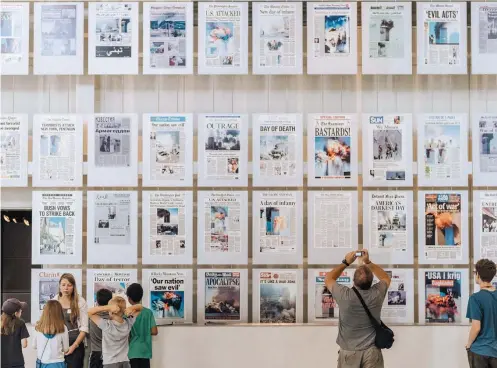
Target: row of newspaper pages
{"type": "Point", "coordinates": [277, 296]}
{"type": "Point", "coordinates": [223, 140]}
{"type": "Point", "coordinates": [277, 48]}
{"type": "Point", "coordinates": [277, 227]}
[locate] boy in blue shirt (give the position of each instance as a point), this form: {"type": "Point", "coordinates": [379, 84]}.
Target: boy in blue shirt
{"type": "Point", "coordinates": [482, 311]}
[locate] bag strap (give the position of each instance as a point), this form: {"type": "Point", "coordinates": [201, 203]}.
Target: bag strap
{"type": "Point", "coordinates": [44, 348]}
{"type": "Point", "coordinates": [372, 319]}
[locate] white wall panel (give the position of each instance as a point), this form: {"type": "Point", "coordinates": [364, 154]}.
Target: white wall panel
{"type": "Point", "coordinates": [8, 88]}
{"type": "Point", "coordinates": [297, 347]}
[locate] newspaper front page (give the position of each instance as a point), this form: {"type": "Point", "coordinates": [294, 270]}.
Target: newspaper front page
{"type": "Point", "coordinates": [388, 216]}
{"type": "Point", "coordinates": [167, 295]}
{"type": "Point", "coordinates": [45, 287]}
{"type": "Point", "coordinates": [331, 30]}
{"type": "Point", "coordinates": [386, 31]}
{"type": "Point", "coordinates": [223, 35]}
{"type": "Point", "coordinates": [278, 296]}
{"type": "Point", "coordinates": [222, 231]}
{"type": "Point", "coordinates": [112, 141]}
{"type": "Point", "coordinates": [117, 281]}
{"type": "Point", "coordinates": [112, 218]}
{"type": "Point", "coordinates": [443, 299]}
{"type": "Point", "coordinates": [222, 296]}
{"type": "Point", "coordinates": [277, 35]}
{"type": "Point", "coordinates": [59, 30]}
{"type": "Point", "coordinates": [442, 147]}
{"type": "Point", "coordinates": [487, 134]}
{"type": "Point", "coordinates": [168, 38]}
{"type": "Point", "coordinates": [333, 220]}
{"type": "Point", "coordinates": [442, 34]}
{"type": "Point", "coordinates": [57, 141]}
{"type": "Point", "coordinates": [223, 151]}
{"type": "Point", "coordinates": [487, 211]}
{"type": "Point", "coordinates": [443, 229]}
{"type": "Point", "coordinates": [396, 306]}
{"type": "Point", "coordinates": [278, 146]}
{"type": "Point", "coordinates": [58, 216]}
{"type": "Point", "coordinates": [487, 29]}
{"type": "Point", "coordinates": [325, 305]}
{"type": "Point", "coordinates": [113, 30]}
{"type": "Point", "coordinates": [167, 223]}
{"type": "Point", "coordinates": [278, 222]}
{"type": "Point", "coordinates": [11, 15]}
{"type": "Point", "coordinates": [48, 288]}
{"type": "Point", "coordinates": [167, 147]}
{"type": "Point", "coordinates": [332, 147]}
{"type": "Point", "coordinates": [11, 150]}
{"type": "Point", "coordinates": [388, 158]}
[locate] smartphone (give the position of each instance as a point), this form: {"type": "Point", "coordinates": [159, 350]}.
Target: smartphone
{"type": "Point", "coordinates": [358, 254]}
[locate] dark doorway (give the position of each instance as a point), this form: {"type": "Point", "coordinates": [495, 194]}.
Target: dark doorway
{"type": "Point", "coordinates": [16, 257]}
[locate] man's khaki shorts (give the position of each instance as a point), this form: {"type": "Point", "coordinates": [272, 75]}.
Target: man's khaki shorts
{"type": "Point", "coordinates": [370, 358]}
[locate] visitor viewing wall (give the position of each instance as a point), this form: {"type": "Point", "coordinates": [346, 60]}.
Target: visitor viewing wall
{"type": "Point", "coordinates": [413, 153]}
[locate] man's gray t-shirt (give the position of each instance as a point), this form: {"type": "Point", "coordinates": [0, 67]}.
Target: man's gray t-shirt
{"type": "Point", "coordinates": [355, 331]}
{"type": "Point", "coordinates": [96, 333]}
{"type": "Point", "coordinates": [115, 340]}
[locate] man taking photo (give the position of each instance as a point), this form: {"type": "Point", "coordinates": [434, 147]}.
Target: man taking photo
{"type": "Point", "coordinates": [356, 334]}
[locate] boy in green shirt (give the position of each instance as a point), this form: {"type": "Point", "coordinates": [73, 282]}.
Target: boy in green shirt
{"type": "Point", "coordinates": [140, 345]}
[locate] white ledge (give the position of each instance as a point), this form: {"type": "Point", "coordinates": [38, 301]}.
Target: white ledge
{"type": "Point", "coordinates": [469, 168]}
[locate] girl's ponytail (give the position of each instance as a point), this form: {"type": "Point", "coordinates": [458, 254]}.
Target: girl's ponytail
{"type": "Point", "coordinates": [8, 323]}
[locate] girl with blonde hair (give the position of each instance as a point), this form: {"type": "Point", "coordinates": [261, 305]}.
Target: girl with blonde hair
{"type": "Point", "coordinates": [51, 339]}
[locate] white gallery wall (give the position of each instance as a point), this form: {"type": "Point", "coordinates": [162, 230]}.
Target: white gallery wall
{"type": "Point", "coordinates": [416, 346]}
{"type": "Point", "coordinates": [296, 347]}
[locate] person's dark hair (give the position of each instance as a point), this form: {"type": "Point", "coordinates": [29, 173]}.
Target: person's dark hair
{"type": "Point", "coordinates": [485, 268]}
{"type": "Point", "coordinates": [103, 297]}
{"type": "Point", "coordinates": [363, 277]}
{"type": "Point", "coordinates": [135, 292]}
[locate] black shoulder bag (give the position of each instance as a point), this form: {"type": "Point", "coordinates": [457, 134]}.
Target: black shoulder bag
{"type": "Point", "coordinates": [384, 336]}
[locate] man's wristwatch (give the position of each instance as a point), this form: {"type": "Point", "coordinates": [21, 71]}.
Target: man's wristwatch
{"type": "Point", "coordinates": [345, 263]}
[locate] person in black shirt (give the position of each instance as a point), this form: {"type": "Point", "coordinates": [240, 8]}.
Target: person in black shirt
{"type": "Point", "coordinates": [14, 334]}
